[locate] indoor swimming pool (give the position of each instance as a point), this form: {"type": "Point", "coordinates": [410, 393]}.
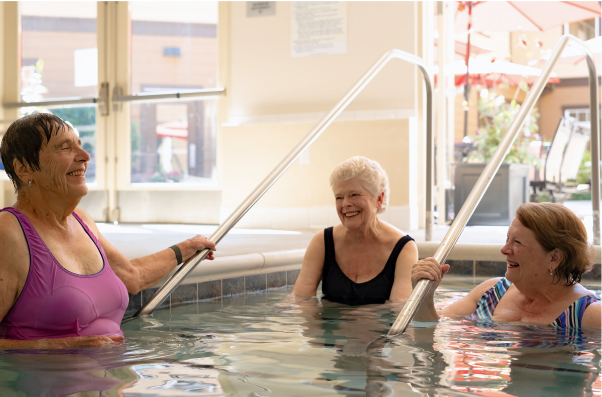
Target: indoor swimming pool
{"type": "Point", "coordinates": [265, 345]}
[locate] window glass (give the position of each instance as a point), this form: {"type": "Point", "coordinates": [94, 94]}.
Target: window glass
{"type": "Point", "coordinates": [59, 59]}
{"type": "Point", "coordinates": [174, 48]}
{"type": "Point", "coordinates": [58, 49]}
{"type": "Point", "coordinates": [584, 30]}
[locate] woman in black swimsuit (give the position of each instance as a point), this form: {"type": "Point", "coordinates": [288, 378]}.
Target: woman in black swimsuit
{"type": "Point", "coordinates": [363, 260]}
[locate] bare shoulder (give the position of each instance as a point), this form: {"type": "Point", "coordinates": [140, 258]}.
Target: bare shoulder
{"type": "Point", "coordinates": [392, 231]}
{"type": "Point", "coordinates": [10, 230]}
{"type": "Point", "coordinates": [13, 246]}
{"type": "Point", "coordinates": [316, 246]}
{"type": "Point", "coordinates": [592, 316]}
{"type": "Point", "coordinates": [480, 289]}
{"type": "Point", "coordinates": [88, 221]}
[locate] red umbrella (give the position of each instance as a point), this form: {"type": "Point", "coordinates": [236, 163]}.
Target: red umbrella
{"type": "Point", "coordinates": [490, 73]}
{"type": "Point", "coordinates": [525, 16]}
{"type": "Point", "coordinates": [173, 129]}
{"type": "Point", "coordinates": [460, 50]}
{"type": "Point", "coordinates": [510, 16]}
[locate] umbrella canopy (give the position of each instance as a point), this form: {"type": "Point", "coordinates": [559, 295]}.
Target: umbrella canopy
{"type": "Point", "coordinates": [173, 129]}
{"type": "Point", "coordinates": [460, 49]}
{"type": "Point", "coordinates": [487, 73]}
{"type": "Point", "coordinates": [574, 56]}
{"type": "Point", "coordinates": [525, 16]}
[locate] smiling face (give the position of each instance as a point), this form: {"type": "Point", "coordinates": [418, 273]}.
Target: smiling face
{"type": "Point", "coordinates": [63, 165]}
{"type": "Point", "coordinates": [356, 206]}
{"type": "Point", "coordinates": [526, 258]}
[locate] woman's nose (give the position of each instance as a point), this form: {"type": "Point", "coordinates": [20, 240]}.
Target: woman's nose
{"type": "Point", "coordinates": [505, 250]}
{"type": "Point", "coordinates": [83, 155]}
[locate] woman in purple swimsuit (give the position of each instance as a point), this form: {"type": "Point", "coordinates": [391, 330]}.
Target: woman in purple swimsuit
{"type": "Point", "coordinates": [547, 253]}
{"type": "Point", "coordinates": [62, 284]}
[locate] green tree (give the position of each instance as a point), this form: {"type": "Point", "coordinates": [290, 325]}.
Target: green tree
{"type": "Point", "coordinates": [495, 117]}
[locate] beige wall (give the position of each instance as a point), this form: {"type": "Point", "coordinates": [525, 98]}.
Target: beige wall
{"type": "Point", "coordinates": [254, 150]}
{"type": "Point", "coordinates": [552, 102]}
{"type": "Point", "coordinates": [265, 79]}
{"type": "Point", "coordinates": [9, 85]}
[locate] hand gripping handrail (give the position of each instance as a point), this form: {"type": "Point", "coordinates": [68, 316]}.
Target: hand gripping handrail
{"type": "Point", "coordinates": [423, 286]}
{"type": "Point", "coordinates": [167, 288]}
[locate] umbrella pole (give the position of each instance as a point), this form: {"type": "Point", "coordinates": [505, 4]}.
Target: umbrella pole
{"type": "Point", "coordinates": [466, 84]}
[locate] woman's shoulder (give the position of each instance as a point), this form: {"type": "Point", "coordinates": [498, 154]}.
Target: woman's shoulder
{"type": "Point", "coordinates": [10, 227]}
{"type": "Point", "coordinates": [392, 230]}
{"type": "Point", "coordinates": [486, 285]}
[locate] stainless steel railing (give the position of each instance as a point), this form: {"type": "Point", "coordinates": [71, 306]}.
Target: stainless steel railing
{"type": "Point", "coordinates": [260, 190]}
{"type": "Point", "coordinates": [422, 288]}
{"type": "Point", "coordinates": [102, 101]}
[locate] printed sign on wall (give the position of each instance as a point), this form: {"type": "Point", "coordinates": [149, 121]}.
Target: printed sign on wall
{"type": "Point", "coordinates": [261, 8]}
{"type": "Point", "coordinates": [318, 28]}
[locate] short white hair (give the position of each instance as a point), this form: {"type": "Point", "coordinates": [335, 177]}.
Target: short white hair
{"type": "Point", "coordinates": [372, 175]}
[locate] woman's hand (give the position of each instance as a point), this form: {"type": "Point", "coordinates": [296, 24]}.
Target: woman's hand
{"type": "Point", "coordinates": [429, 269]}
{"type": "Point", "coordinates": [195, 244]}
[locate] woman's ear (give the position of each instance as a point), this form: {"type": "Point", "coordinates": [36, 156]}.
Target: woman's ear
{"type": "Point", "coordinates": [380, 200]}
{"type": "Point", "coordinates": [22, 171]}
{"type": "Point", "coordinates": [557, 257]}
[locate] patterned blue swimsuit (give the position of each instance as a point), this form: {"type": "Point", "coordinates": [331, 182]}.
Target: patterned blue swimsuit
{"type": "Point", "coordinates": [570, 318]}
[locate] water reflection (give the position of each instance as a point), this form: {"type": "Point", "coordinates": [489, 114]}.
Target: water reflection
{"type": "Point", "coordinates": [267, 345]}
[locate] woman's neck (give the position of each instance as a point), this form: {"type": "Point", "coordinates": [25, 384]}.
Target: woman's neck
{"type": "Point", "coordinates": [46, 207]}
{"type": "Point", "coordinates": [370, 231]}
{"type": "Point", "coordinates": [537, 294]}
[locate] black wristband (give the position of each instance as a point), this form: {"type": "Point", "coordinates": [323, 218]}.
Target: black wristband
{"type": "Point", "coordinates": [176, 249]}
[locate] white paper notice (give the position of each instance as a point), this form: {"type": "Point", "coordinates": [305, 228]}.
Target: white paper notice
{"type": "Point", "coordinates": [318, 28]}
{"type": "Point", "coordinates": [86, 67]}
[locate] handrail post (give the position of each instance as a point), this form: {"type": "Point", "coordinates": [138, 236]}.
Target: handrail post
{"type": "Point", "coordinates": [451, 237]}
{"type": "Point", "coordinates": [167, 288]}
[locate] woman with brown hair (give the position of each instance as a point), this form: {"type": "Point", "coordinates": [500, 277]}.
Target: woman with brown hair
{"type": "Point", "coordinates": [547, 253]}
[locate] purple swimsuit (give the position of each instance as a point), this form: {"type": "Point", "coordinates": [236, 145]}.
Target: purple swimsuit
{"type": "Point", "coordinates": [56, 303]}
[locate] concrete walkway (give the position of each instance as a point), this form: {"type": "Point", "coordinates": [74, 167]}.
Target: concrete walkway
{"type": "Point", "coordinates": [136, 240]}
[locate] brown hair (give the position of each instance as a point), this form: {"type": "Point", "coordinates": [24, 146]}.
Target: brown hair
{"type": "Point", "coordinates": [557, 227]}
{"type": "Point", "coordinates": [24, 139]}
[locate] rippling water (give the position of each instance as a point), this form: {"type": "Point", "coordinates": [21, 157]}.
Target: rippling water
{"type": "Point", "coordinates": [264, 345]}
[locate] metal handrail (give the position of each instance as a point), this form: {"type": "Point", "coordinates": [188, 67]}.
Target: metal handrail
{"type": "Point", "coordinates": [142, 97]}
{"type": "Point", "coordinates": [167, 288]}
{"type": "Point", "coordinates": [50, 103]}
{"type": "Point", "coordinates": [423, 286]}
{"type": "Point", "coordinates": [171, 95]}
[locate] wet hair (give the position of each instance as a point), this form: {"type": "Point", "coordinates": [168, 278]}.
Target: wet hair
{"type": "Point", "coordinates": [557, 227]}
{"type": "Point", "coordinates": [372, 175]}
{"type": "Point", "coordinates": [24, 140]}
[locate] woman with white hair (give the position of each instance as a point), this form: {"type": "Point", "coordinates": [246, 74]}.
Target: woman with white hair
{"type": "Point", "coordinates": [363, 260]}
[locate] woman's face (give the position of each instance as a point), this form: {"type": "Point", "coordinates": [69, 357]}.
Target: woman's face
{"type": "Point", "coordinates": [63, 165]}
{"type": "Point", "coordinates": [526, 258]}
{"type": "Point", "coordinates": [356, 206]}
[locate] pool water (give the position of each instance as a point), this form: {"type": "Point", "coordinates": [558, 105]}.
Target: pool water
{"type": "Point", "coordinates": [265, 345]}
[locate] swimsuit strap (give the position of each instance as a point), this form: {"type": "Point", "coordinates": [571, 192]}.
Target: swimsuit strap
{"type": "Point", "coordinates": [490, 299]}
{"type": "Point", "coordinates": [571, 317]}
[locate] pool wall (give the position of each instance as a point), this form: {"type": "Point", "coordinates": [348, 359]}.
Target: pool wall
{"type": "Point", "coordinates": [256, 273]}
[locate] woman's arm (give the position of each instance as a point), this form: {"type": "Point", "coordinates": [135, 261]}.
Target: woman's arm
{"type": "Point", "coordinates": [76, 342]}
{"type": "Point", "coordinates": [142, 273]}
{"type": "Point", "coordinates": [402, 286]}
{"type": "Point", "coordinates": [311, 270]}
{"type": "Point", "coordinates": [429, 269]}
{"type": "Point", "coordinates": [14, 262]}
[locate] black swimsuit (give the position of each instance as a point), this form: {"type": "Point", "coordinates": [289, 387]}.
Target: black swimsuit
{"type": "Point", "coordinates": [337, 287]}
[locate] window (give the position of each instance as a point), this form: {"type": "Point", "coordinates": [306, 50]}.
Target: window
{"type": "Point", "coordinates": [581, 114]}
{"type": "Point", "coordinates": [59, 59]}
{"type": "Point", "coordinates": [173, 48]}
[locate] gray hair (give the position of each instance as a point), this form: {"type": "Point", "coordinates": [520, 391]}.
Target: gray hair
{"type": "Point", "coordinates": [372, 175]}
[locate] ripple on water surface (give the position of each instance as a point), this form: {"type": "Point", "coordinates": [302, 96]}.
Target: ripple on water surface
{"type": "Point", "coordinates": [264, 345]}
